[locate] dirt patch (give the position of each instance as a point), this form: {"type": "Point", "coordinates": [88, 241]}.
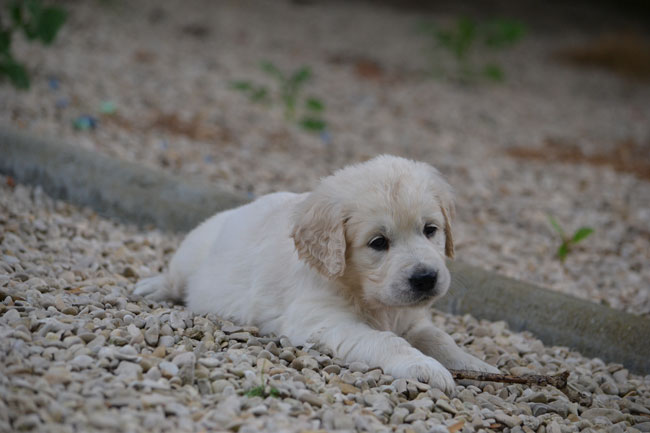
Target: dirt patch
{"type": "Point", "coordinates": [195, 128]}
{"type": "Point", "coordinates": [626, 54]}
{"type": "Point", "coordinates": [627, 156]}
{"type": "Point", "coordinates": [195, 30]}
{"type": "Point", "coordinates": [364, 67]}
{"type": "Point", "coordinates": [144, 56]}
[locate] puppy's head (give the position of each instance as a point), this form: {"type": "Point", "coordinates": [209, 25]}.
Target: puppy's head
{"type": "Point", "coordinates": [382, 228]}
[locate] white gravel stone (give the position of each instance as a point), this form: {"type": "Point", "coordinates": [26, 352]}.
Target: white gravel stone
{"type": "Point", "coordinates": [11, 317]}
{"type": "Point", "coordinates": [358, 367]}
{"type": "Point", "coordinates": [612, 415]}
{"type": "Point", "coordinates": [168, 369]}
{"type": "Point", "coordinates": [128, 370]}
{"type": "Point", "coordinates": [167, 341]}
{"type": "Point", "coordinates": [82, 361]}
{"type": "Point", "coordinates": [210, 362]}
{"type": "Point", "coordinates": [153, 374]}
{"type": "Point", "coordinates": [175, 321]}
{"type": "Point", "coordinates": [311, 398]}
{"type": "Point", "coordinates": [185, 358]}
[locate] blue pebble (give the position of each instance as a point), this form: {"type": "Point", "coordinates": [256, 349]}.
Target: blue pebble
{"type": "Point", "coordinates": [54, 83]}
{"type": "Point", "coordinates": [85, 122]}
{"type": "Point", "coordinates": [326, 137]}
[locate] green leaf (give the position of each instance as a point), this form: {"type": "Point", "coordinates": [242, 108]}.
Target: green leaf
{"type": "Point", "coordinates": [301, 75]}
{"type": "Point", "coordinates": [16, 12]}
{"type": "Point", "coordinates": [466, 28]}
{"type": "Point", "coordinates": [5, 41]}
{"type": "Point", "coordinates": [34, 7]}
{"type": "Point", "coordinates": [49, 23]}
{"type": "Point", "coordinates": [314, 104]}
{"type": "Point", "coordinates": [556, 226]}
{"type": "Point", "coordinates": [563, 251]}
{"type": "Point", "coordinates": [312, 124]}
{"type": "Point", "coordinates": [445, 39]}
{"type": "Point", "coordinates": [29, 29]}
{"type": "Point", "coordinates": [242, 86]}
{"type": "Point", "coordinates": [466, 34]}
{"type": "Point", "coordinates": [259, 94]}
{"type": "Point", "coordinates": [274, 392]}
{"type": "Point", "coordinates": [493, 72]}
{"type": "Point", "coordinates": [16, 73]}
{"type": "Point", "coordinates": [30, 18]}
{"type": "Point", "coordinates": [501, 33]}
{"type": "Point", "coordinates": [581, 233]}
{"type": "Point", "coordinates": [258, 391]}
{"type": "Point", "coordinates": [271, 70]}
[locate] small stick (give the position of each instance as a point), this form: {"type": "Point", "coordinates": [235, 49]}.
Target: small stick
{"type": "Point", "coordinates": [558, 381]}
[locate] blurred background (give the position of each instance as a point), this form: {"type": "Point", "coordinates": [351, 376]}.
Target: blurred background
{"type": "Point", "coordinates": [538, 113]}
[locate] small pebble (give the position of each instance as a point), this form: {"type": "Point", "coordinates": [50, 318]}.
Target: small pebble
{"type": "Point", "coordinates": [168, 369]}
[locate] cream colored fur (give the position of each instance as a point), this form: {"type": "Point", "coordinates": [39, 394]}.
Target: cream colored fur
{"type": "Point", "coordinates": [301, 265]}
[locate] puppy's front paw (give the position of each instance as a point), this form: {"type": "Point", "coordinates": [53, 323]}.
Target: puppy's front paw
{"type": "Point", "coordinates": [469, 362]}
{"type": "Point", "coordinates": [426, 370]}
{"type": "Point", "coordinates": [485, 367]}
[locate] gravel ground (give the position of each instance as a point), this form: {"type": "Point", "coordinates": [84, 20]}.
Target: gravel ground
{"type": "Point", "coordinates": [79, 353]}
{"type": "Point", "coordinates": [169, 75]}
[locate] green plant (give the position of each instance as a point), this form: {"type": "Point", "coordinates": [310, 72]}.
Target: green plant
{"type": "Point", "coordinates": [289, 93]}
{"type": "Point", "coordinates": [463, 38]}
{"type": "Point", "coordinates": [568, 241]}
{"type": "Point", "coordinates": [37, 22]}
{"type": "Point", "coordinates": [263, 390]}
{"type": "Point", "coordinates": [260, 391]}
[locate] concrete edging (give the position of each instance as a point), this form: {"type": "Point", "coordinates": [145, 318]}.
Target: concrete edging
{"type": "Point", "coordinates": [114, 188]}
{"type": "Point", "coordinates": [134, 193]}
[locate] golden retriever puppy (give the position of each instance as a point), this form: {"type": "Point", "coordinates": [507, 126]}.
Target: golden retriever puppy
{"type": "Point", "coordinates": [353, 267]}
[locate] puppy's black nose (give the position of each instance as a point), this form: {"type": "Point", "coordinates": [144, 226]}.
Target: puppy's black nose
{"type": "Point", "coordinates": [423, 280]}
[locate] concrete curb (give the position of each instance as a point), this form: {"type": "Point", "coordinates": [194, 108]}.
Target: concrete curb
{"type": "Point", "coordinates": [554, 318]}
{"type": "Point", "coordinates": [137, 194]}
{"type": "Point", "coordinates": [113, 188]}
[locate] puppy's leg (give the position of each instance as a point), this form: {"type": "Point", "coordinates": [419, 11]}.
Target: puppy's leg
{"type": "Point", "coordinates": [186, 261]}
{"type": "Point", "coordinates": [356, 341]}
{"type": "Point", "coordinates": [438, 344]}
{"type": "Point", "coordinates": [158, 288]}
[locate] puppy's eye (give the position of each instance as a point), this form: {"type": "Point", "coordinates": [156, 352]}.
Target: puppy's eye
{"type": "Point", "coordinates": [379, 243]}
{"type": "Point", "coordinates": [429, 230]}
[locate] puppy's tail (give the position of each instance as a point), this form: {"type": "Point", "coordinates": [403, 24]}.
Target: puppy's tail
{"type": "Point", "coordinates": [158, 288]}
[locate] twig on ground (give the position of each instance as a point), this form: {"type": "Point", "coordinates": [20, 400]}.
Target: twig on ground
{"type": "Point", "coordinates": [558, 380]}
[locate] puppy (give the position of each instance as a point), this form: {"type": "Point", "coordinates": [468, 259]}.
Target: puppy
{"type": "Point", "coordinates": [353, 267]}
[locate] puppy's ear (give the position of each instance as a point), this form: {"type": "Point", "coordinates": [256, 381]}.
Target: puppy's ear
{"type": "Point", "coordinates": [449, 240]}
{"type": "Point", "coordinates": [319, 235]}
{"type": "Point", "coordinates": [445, 197]}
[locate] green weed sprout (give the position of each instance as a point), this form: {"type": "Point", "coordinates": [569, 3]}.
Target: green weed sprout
{"type": "Point", "coordinates": [289, 93]}
{"type": "Point", "coordinates": [568, 241]}
{"type": "Point", "coordinates": [37, 22]}
{"type": "Point", "coordinates": [462, 39]}
{"type": "Point", "coordinates": [261, 390]}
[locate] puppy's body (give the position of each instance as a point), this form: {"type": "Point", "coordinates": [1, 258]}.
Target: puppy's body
{"type": "Point", "coordinates": [346, 267]}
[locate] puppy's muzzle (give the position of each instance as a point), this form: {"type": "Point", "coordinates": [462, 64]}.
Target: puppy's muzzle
{"type": "Point", "coordinates": [423, 281]}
